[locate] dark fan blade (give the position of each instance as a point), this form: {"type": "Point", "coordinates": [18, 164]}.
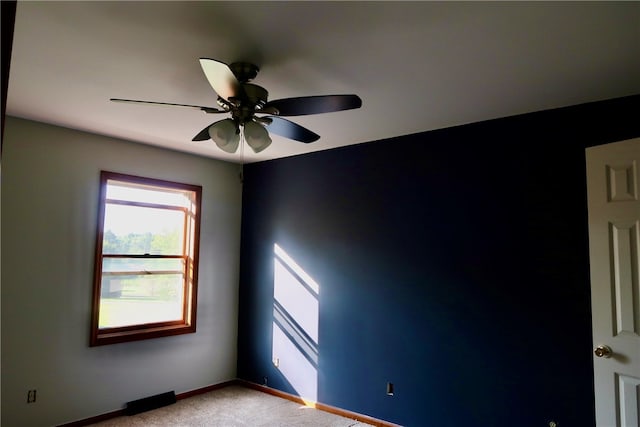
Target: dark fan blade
{"type": "Point", "coordinates": [203, 135]}
{"type": "Point", "coordinates": [220, 77]}
{"type": "Point", "coordinates": [312, 105]}
{"type": "Point", "coordinates": [290, 130]}
{"type": "Point", "coordinates": [199, 107]}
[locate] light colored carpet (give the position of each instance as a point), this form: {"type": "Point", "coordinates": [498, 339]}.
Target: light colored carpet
{"type": "Point", "coordinates": [233, 406]}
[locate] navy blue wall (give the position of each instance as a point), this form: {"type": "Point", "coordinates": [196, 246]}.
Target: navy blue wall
{"type": "Point", "coordinates": [453, 263]}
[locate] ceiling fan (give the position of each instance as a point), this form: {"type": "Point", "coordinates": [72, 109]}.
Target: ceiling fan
{"type": "Point", "coordinates": [250, 110]}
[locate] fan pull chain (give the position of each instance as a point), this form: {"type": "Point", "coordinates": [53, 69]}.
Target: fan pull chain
{"type": "Point", "coordinates": [241, 173]}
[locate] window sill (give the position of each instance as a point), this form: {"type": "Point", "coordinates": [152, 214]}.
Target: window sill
{"type": "Point", "coordinates": [104, 337]}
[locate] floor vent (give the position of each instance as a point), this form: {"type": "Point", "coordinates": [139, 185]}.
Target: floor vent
{"type": "Point", "coordinates": [149, 403]}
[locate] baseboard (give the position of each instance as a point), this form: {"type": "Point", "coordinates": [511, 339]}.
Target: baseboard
{"type": "Point", "coordinates": [207, 389]}
{"type": "Point", "coordinates": [320, 406]}
{"type": "Point", "coordinates": [96, 419]}
{"type": "Point", "coordinates": [187, 394]}
{"type": "Point", "coordinates": [122, 413]}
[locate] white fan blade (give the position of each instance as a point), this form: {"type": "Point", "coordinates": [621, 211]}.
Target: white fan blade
{"type": "Point", "coordinates": [220, 77]}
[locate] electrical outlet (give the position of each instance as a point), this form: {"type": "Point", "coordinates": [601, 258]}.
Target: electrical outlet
{"type": "Point", "coordinates": [31, 396]}
{"type": "Point", "coordinates": [389, 389]}
{"type": "Point", "coordinates": [264, 381]}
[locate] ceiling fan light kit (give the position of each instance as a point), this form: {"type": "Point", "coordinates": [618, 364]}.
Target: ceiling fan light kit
{"type": "Point", "coordinates": [225, 134]}
{"type": "Point", "coordinates": [251, 112]}
{"type": "Point", "coordinates": [256, 136]}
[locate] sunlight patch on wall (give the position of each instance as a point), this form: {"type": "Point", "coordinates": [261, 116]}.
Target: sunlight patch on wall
{"type": "Point", "coordinates": [295, 325]}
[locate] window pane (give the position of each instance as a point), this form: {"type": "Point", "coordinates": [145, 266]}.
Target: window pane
{"type": "Point", "coordinates": [137, 230]}
{"type": "Point", "coordinates": [133, 193]}
{"type": "Point", "coordinates": [141, 264]}
{"type": "Point", "coordinates": [139, 299]}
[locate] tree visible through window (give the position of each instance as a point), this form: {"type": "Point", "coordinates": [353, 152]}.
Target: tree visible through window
{"type": "Point", "coordinates": [146, 259]}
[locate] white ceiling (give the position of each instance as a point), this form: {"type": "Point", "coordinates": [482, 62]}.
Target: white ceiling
{"type": "Point", "coordinates": [417, 66]}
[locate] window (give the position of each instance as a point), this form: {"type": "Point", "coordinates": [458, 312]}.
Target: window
{"type": "Point", "coordinates": [146, 266]}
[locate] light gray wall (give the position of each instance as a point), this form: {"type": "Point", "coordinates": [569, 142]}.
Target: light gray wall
{"type": "Point", "coordinates": [50, 178]}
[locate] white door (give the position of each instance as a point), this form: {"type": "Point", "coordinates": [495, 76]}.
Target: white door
{"type": "Point", "coordinates": [613, 185]}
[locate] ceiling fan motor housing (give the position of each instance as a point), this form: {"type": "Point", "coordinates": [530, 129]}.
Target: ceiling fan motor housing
{"type": "Point", "coordinates": [244, 71]}
{"type": "Point", "coordinates": [250, 99]}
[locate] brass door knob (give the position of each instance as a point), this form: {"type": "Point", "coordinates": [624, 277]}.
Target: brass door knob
{"type": "Point", "coordinates": [603, 351]}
